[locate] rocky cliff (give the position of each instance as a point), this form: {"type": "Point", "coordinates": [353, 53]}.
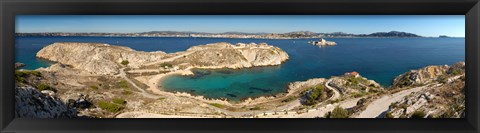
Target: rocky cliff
{"type": "Point", "coordinates": [225, 55]}
{"type": "Point", "coordinates": [31, 103]}
{"type": "Point", "coordinates": [104, 59]}
{"type": "Point", "coordinates": [96, 58]}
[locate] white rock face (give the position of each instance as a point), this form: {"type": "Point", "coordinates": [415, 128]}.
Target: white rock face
{"type": "Point", "coordinates": [102, 59]}
{"type": "Point", "coordinates": [226, 55]}
{"type": "Point", "coordinates": [30, 103]}
{"type": "Point", "coordinates": [308, 83]}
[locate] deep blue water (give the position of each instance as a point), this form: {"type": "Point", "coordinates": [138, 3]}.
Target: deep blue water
{"type": "Point", "coordinates": [379, 59]}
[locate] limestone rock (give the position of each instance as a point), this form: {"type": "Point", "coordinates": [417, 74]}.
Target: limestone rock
{"type": "Point", "coordinates": [102, 59]}
{"type": "Point", "coordinates": [30, 103]}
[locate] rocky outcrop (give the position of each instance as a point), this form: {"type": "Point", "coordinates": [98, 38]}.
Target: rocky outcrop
{"type": "Point", "coordinates": [30, 103]}
{"type": "Point", "coordinates": [443, 96]}
{"type": "Point", "coordinates": [302, 84]}
{"type": "Point", "coordinates": [96, 58]}
{"type": "Point", "coordinates": [355, 85]}
{"type": "Point", "coordinates": [444, 101]}
{"type": "Point", "coordinates": [104, 59]}
{"type": "Point", "coordinates": [420, 77]}
{"type": "Point", "coordinates": [429, 74]}
{"type": "Point", "coordinates": [323, 42]}
{"type": "Point", "coordinates": [226, 55]}
{"type": "Point", "coordinates": [19, 65]}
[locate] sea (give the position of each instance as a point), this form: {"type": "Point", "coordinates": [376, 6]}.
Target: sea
{"type": "Point", "coordinates": [378, 59]}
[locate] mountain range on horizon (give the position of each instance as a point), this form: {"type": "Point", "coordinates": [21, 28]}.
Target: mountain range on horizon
{"type": "Point", "coordinates": [294, 34]}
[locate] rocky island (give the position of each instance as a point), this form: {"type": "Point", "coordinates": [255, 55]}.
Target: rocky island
{"type": "Point", "coordinates": [322, 42]}
{"type": "Point", "coordinates": [106, 81]}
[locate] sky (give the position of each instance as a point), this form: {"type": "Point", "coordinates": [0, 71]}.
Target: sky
{"type": "Point", "coordinates": [424, 25]}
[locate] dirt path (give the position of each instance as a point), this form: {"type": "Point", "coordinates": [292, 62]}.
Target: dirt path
{"type": "Point", "coordinates": [152, 115]}
{"type": "Point", "coordinates": [381, 105]}
{"type": "Point", "coordinates": [143, 92]}
{"type": "Point", "coordinates": [169, 59]}
{"type": "Point", "coordinates": [336, 93]}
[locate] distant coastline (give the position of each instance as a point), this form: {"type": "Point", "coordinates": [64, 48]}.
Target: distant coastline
{"type": "Point", "coordinates": [289, 35]}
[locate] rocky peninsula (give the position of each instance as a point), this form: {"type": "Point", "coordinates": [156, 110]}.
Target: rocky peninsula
{"type": "Point", "coordinates": [105, 59]}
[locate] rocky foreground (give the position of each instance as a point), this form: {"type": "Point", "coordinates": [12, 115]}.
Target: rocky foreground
{"type": "Point", "coordinates": [31, 103]}
{"type": "Point", "coordinates": [127, 87]}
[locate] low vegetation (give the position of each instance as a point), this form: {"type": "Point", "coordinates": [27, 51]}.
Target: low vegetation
{"type": "Point", "coordinates": [217, 105]}
{"type": "Point", "coordinates": [94, 87]}
{"type": "Point", "coordinates": [418, 114]}
{"type": "Point", "coordinates": [110, 107]}
{"type": "Point", "coordinates": [288, 99]}
{"type": "Point", "coordinates": [122, 84]}
{"type": "Point", "coordinates": [256, 108]}
{"type": "Point", "coordinates": [405, 81]}
{"type": "Point", "coordinates": [21, 75]}
{"type": "Point", "coordinates": [43, 86]}
{"type": "Point", "coordinates": [316, 94]}
{"type": "Point", "coordinates": [120, 101]}
{"type": "Point", "coordinates": [125, 62]}
{"type": "Point", "coordinates": [168, 65]}
{"type": "Point", "coordinates": [116, 105]}
{"type": "Point", "coordinates": [457, 72]}
{"type": "Point", "coordinates": [338, 112]}
{"type": "Point", "coordinates": [126, 92]}
{"type": "Point", "coordinates": [389, 115]}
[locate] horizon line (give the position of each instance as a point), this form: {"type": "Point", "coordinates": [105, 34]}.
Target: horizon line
{"type": "Point", "coordinates": [235, 31]}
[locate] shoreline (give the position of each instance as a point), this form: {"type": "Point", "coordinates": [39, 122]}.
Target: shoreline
{"type": "Point", "coordinates": [154, 83]}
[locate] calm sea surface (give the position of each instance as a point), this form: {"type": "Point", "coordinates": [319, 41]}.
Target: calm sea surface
{"type": "Point", "coordinates": [379, 59]}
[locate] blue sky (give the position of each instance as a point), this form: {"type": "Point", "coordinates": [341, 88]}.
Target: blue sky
{"type": "Point", "coordinates": [425, 25]}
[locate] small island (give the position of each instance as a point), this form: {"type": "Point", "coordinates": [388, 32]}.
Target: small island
{"type": "Point", "coordinates": [322, 42]}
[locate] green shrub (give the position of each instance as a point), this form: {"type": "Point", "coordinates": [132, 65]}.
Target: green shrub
{"type": "Point", "coordinates": [111, 107]}
{"type": "Point", "coordinates": [418, 114]}
{"type": "Point", "coordinates": [20, 75]}
{"type": "Point", "coordinates": [125, 62]}
{"type": "Point", "coordinates": [315, 94]}
{"type": "Point", "coordinates": [43, 86]}
{"type": "Point", "coordinates": [127, 92]}
{"type": "Point", "coordinates": [119, 101]}
{"type": "Point", "coordinates": [122, 84]}
{"type": "Point", "coordinates": [256, 108]}
{"type": "Point", "coordinates": [338, 112]}
{"type": "Point", "coordinates": [36, 73]}
{"type": "Point", "coordinates": [448, 114]}
{"type": "Point", "coordinates": [358, 94]}
{"type": "Point", "coordinates": [93, 87]}
{"type": "Point", "coordinates": [288, 99]}
{"type": "Point", "coordinates": [217, 105]}
{"type": "Point", "coordinates": [389, 115]}
{"type": "Point", "coordinates": [457, 72]}
{"type": "Point", "coordinates": [166, 65]}
{"type": "Point", "coordinates": [442, 79]}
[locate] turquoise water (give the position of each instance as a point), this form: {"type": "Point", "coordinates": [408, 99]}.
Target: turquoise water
{"type": "Point", "coordinates": [379, 59]}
